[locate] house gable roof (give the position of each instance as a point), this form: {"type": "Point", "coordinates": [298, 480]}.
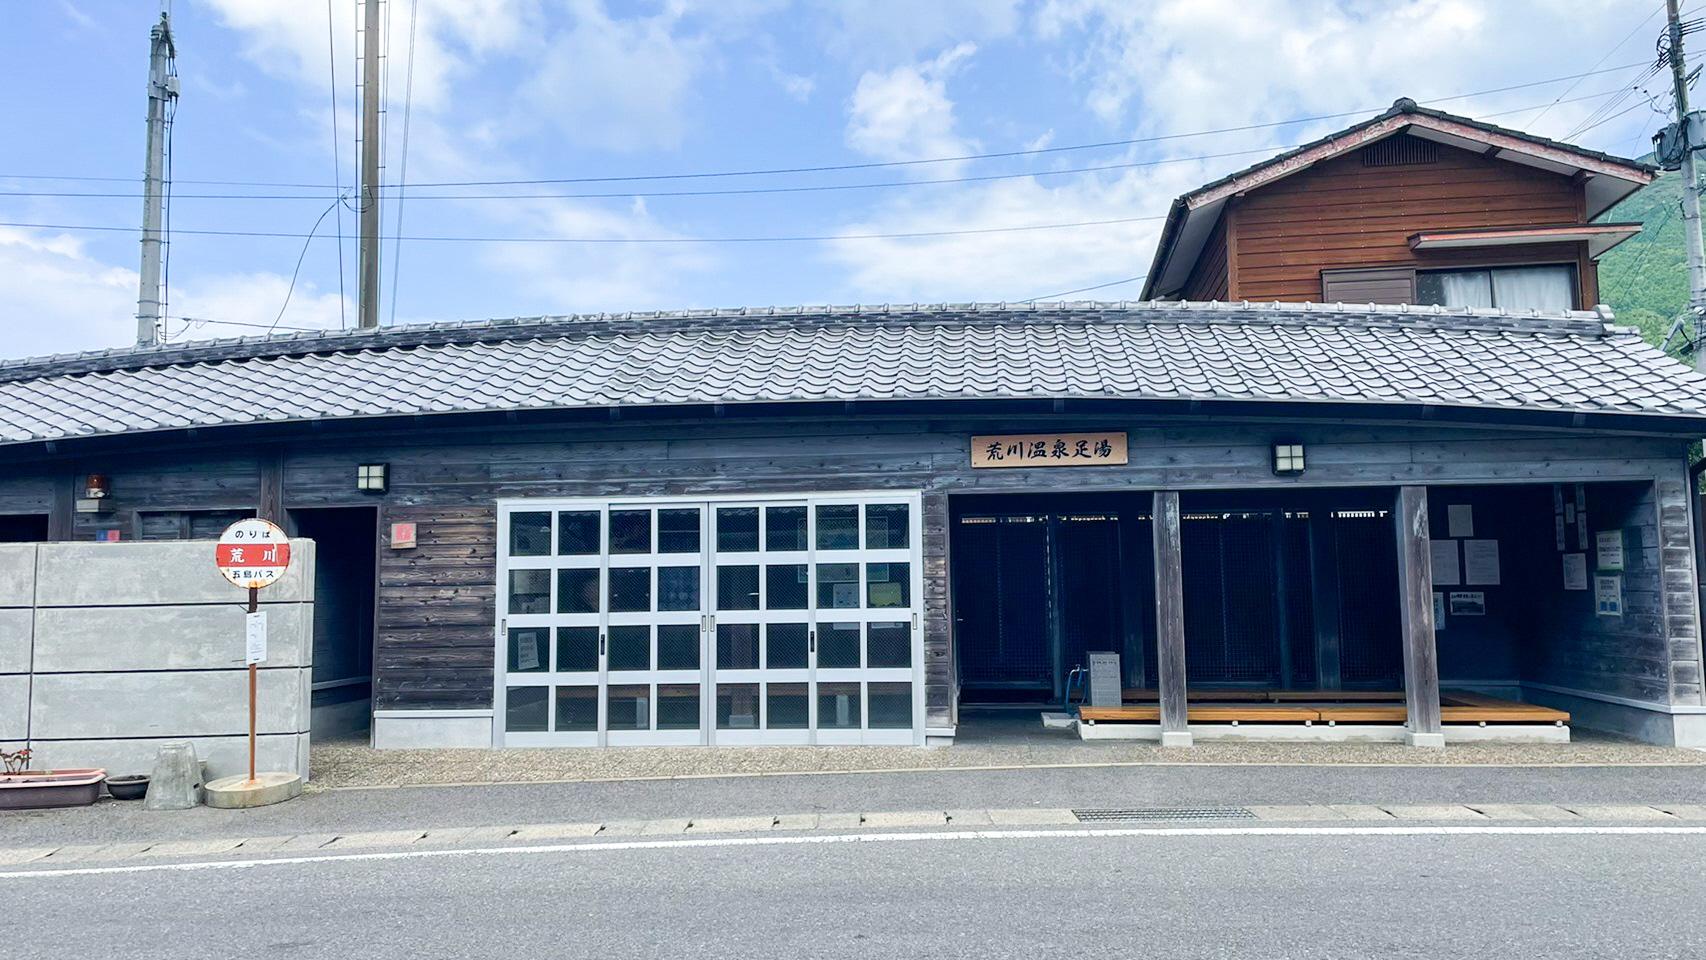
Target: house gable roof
{"type": "Point", "coordinates": [1286, 355]}
{"type": "Point", "coordinates": [1192, 216]}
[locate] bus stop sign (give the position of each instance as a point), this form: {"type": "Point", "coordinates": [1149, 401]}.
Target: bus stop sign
{"type": "Point", "coordinates": [253, 553]}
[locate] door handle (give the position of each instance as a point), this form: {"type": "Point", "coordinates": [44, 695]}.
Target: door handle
{"type": "Point", "coordinates": [811, 641]}
{"type": "Point", "coordinates": [601, 644]}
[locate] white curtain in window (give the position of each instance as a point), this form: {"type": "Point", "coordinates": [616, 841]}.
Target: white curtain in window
{"type": "Point", "coordinates": [1468, 288]}
{"type": "Point", "coordinates": [1534, 288]}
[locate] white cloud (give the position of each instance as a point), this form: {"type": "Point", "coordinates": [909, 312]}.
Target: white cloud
{"type": "Point", "coordinates": [905, 113]}
{"type": "Point", "coordinates": [617, 84]}
{"type": "Point", "coordinates": [256, 299]}
{"type": "Point", "coordinates": [60, 299]}
{"type": "Point", "coordinates": [879, 33]}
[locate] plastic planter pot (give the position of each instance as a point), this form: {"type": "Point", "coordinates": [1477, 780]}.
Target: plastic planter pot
{"type": "Point", "coordinates": [73, 787]}
{"type": "Point", "coordinates": [131, 787]}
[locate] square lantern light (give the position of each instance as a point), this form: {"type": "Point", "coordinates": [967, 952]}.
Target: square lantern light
{"type": "Point", "coordinates": [1288, 459]}
{"type": "Point", "coordinates": [371, 478]}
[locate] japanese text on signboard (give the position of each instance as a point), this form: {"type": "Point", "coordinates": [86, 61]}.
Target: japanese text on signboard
{"type": "Point", "coordinates": [1049, 450]}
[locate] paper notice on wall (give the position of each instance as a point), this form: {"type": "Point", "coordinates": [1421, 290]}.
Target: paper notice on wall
{"type": "Point", "coordinates": [1557, 498]}
{"type": "Point", "coordinates": [527, 651]}
{"type": "Point", "coordinates": [1468, 604]}
{"type": "Point", "coordinates": [1443, 557]}
{"type": "Point", "coordinates": [1581, 498]}
{"type": "Point", "coordinates": [1558, 531]}
{"type": "Point", "coordinates": [1439, 610]}
{"type": "Point", "coordinates": [1481, 562]}
{"type": "Point", "coordinates": [1460, 520]}
{"type": "Point", "coordinates": [1569, 513]}
{"type": "Point", "coordinates": [1581, 530]}
{"type": "Point", "coordinates": [255, 637]}
{"type": "Point", "coordinates": [1608, 596]}
{"type": "Point", "coordinates": [1575, 571]}
{"type": "Point", "coordinates": [1608, 550]}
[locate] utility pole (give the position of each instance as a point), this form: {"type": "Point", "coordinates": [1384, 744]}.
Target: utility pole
{"type": "Point", "coordinates": [162, 92]}
{"type": "Point", "coordinates": [1690, 191]}
{"type": "Point", "coordinates": [368, 308]}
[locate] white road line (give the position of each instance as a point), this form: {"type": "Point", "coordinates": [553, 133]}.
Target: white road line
{"type": "Point", "coordinates": [922, 837]}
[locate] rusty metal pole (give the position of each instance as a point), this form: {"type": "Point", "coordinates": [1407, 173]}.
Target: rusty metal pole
{"type": "Point", "coordinates": [254, 607]}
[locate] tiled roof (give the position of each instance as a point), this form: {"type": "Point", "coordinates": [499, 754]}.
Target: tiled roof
{"type": "Point", "coordinates": [1281, 353]}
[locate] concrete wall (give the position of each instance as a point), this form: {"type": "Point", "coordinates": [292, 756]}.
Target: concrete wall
{"type": "Point", "coordinates": [108, 650]}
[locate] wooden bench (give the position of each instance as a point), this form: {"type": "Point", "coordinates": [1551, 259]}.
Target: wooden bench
{"type": "Point", "coordinates": [1230, 713]}
{"type": "Point", "coordinates": [1504, 712]}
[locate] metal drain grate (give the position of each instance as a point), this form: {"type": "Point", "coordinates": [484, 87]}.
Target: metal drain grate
{"type": "Point", "coordinates": [1163, 814]}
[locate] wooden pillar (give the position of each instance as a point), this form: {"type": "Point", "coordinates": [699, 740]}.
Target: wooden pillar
{"type": "Point", "coordinates": [62, 511]}
{"type": "Point", "coordinates": [1324, 595]}
{"type": "Point", "coordinates": [1170, 621]}
{"type": "Point", "coordinates": [270, 502]}
{"type": "Point", "coordinates": [1416, 618]}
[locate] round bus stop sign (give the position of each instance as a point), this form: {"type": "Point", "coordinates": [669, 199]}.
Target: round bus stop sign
{"type": "Point", "coordinates": [253, 553]}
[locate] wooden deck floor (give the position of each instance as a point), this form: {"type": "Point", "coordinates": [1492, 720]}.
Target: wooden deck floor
{"type": "Point", "coordinates": [1323, 706]}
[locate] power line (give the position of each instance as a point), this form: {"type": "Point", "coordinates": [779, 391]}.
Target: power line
{"type": "Point", "coordinates": [912, 235]}
{"type": "Point", "coordinates": [403, 168]}
{"type": "Point", "coordinates": [1607, 55]}
{"type": "Point", "coordinates": [1099, 286]}
{"type": "Point", "coordinates": [337, 161]}
{"type": "Point", "coordinates": [299, 258]}
{"type": "Point", "coordinates": [828, 168]}
{"type": "Point", "coordinates": [750, 191]}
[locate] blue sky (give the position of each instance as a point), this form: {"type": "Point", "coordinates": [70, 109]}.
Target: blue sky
{"type": "Point", "coordinates": [514, 90]}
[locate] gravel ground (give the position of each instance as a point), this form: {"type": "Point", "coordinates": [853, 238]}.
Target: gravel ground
{"type": "Point", "coordinates": [1001, 744]}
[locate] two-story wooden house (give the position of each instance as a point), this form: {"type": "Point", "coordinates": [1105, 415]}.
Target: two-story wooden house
{"type": "Point", "coordinates": [1367, 463]}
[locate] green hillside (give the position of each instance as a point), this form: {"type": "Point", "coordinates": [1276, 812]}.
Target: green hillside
{"type": "Point", "coordinates": [1645, 280]}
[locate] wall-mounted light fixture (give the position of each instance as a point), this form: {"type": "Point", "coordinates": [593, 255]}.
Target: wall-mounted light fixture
{"type": "Point", "coordinates": [371, 478]}
{"type": "Point", "coordinates": [1288, 459]}
{"type": "Point", "coordinates": [94, 498]}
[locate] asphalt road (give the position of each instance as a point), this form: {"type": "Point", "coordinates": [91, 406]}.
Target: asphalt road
{"type": "Point", "coordinates": [1140, 786]}
{"type": "Point", "coordinates": [1303, 894]}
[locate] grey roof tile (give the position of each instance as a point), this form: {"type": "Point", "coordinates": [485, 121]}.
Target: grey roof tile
{"type": "Point", "coordinates": [1162, 351]}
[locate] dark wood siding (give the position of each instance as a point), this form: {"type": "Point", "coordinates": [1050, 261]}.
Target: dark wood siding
{"type": "Point", "coordinates": [1208, 279]}
{"type": "Point", "coordinates": [437, 610]}
{"type": "Point", "coordinates": [1343, 214]}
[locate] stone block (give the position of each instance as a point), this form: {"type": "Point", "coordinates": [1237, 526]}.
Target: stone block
{"type": "Point", "coordinates": [1523, 811]}
{"type": "Point", "coordinates": [196, 637]}
{"type": "Point", "coordinates": [555, 831]}
{"type": "Point", "coordinates": [1630, 812]}
{"type": "Point", "coordinates": [796, 821]}
{"type": "Point", "coordinates": [656, 828]}
{"type": "Point", "coordinates": [1433, 811]}
{"type": "Point", "coordinates": [1685, 811]}
{"type": "Point", "coordinates": [17, 574]}
{"type": "Point", "coordinates": [224, 756]}
{"type": "Point", "coordinates": [905, 818]}
{"type": "Point", "coordinates": [1296, 813]}
{"type": "Point", "coordinates": [418, 729]}
{"type": "Point", "coordinates": [16, 855]}
{"type": "Point", "coordinates": [1359, 811]}
{"type": "Point", "coordinates": [194, 848]}
{"type": "Point", "coordinates": [165, 704]}
{"type": "Point", "coordinates": [839, 821]}
{"type": "Point", "coordinates": [17, 627]}
{"type": "Point", "coordinates": [1030, 817]}
{"type": "Point", "coordinates": [969, 818]}
{"type": "Point", "coordinates": [624, 828]}
{"type": "Point", "coordinates": [377, 838]}
{"type": "Point", "coordinates": [175, 572]}
{"type": "Point", "coordinates": [466, 836]}
{"type": "Point", "coordinates": [175, 779]}
{"type": "Point", "coordinates": [731, 824]}
{"type": "Point", "coordinates": [14, 707]}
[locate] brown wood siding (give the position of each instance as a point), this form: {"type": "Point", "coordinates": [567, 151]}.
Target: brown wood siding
{"type": "Point", "coordinates": [436, 610]}
{"type": "Point", "coordinates": [1342, 214]}
{"type": "Point", "coordinates": [1208, 279]}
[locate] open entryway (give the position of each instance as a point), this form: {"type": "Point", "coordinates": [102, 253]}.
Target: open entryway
{"type": "Point", "coordinates": [345, 555]}
{"type": "Point", "coordinates": [710, 621]}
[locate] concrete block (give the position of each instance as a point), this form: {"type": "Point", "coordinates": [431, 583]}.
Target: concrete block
{"type": "Point", "coordinates": [205, 637]}
{"type": "Point", "coordinates": [194, 848]}
{"type": "Point", "coordinates": [1685, 811]}
{"type": "Point", "coordinates": [175, 779]}
{"type": "Point", "coordinates": [17, 627]}
{"type": "Point", "coordinates": [969, 818]}
{"type": "Point", "coordinates": [664, 827]}
{"type": "Point", "coordinates": [1632, 812]}
{"type": "Point", "coordinates": [73, 854]}
{"type": "Point", "coordinates": [1433, 811]}
{"type": "Point", "coordinates": [466, 836]}
{"type": "Point", "coordinates": [241, 793]}
{"type": "Point", "coordinates": [176, 572]}
{"type": "Point", "coordinates": [839, 821]}
{"type": "Point", "coordinates": [119, 851]}
{"type": "Point", "coordinates": [17, 574]}
{"type": "Point", "coordinates": [556, 831]}
{"type": "Point", "coordinates": [1175, 738]}
{"type": "Point", "coordinates": [262, 844]}
{"type": "Point", "coordinates": [906, 818]}
{"type": "Point", "coordinates": [165, 704]}
{"type": "Point", "coordinates": [1523, 811]}
{"type": "Point", "coordinates": [17, 855]}
{"type": "Point", "coordinates": [376, 838]}
{"type": "Point", "coordinates": [305, 843]}
{"type": "Point", "coordinates": [1428, 741]}
{"type": "Point", "coordinates": [1030, 817]}
{"type": "Point", "coordinates": [417, 729]}
{"type": "Point", "coordinates": [796, 821]}
{"type": "Point", "coordinates": [14, 707]}
{"type": "Point", "coordinates": [224, 756]}
{"type": "Point", "coordinates": [623, 828]}
{"type": "Point", "coordinates": [731, 825]}
{"type": "Point", "coordinates": [1360, 811]}
{"type": "Point", "coordinates": [1296, 812]}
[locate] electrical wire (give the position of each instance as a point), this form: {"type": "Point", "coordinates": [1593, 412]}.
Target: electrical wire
{"type": "Point", "coordinates": [403, 165]}
{"type": "Point", "coordinates": [299, 258]}
{"type": "Point", "coordinates": [1099, 286]}
{"type": "Point", "coordinates": [894, 163]}
{"type": "Point", "coordinates": [802, 238]}
{"type": "Point", "coordinates": [1626, 38]}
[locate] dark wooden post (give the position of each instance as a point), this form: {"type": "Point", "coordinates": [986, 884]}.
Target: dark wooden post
{"type": "Point", "coordinates": [1170, 621]}
{"type": "Point", "coordinates": [270, 502]}
{"type": "Point", "coordinates": [1416, 618]}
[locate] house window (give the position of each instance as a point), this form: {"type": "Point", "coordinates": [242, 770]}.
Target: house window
{"type": "Point", "coordinates": [1507, 288]}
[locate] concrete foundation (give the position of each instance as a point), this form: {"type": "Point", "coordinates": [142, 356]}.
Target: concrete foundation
{"type": "Point", "coordinates": [416, 729]}
{"type": "Point", "coordinates": [239, 792]}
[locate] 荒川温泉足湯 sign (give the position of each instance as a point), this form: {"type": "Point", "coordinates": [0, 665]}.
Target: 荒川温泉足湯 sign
{"type": "Point", "coordinates": [1049, 450]}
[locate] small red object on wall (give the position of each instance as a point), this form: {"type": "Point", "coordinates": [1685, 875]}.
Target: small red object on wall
{"type": "Point", "coordinates": [403, 535]}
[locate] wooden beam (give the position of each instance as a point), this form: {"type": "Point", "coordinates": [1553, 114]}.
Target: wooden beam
{"type": "Point", "coordinates": [1324, 594]}
{"type": "Point", "coordinates": [62, 510]}
{"type": "Point", "coordinates": [1416, 618]}
{"type": "Point", "coordinates": [269, 503]}
{"type": "Point", "coordinates": [1170, 620]}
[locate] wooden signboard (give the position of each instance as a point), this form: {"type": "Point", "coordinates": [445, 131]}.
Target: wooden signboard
{"type": "Point", "coordinates": [1049, 450]}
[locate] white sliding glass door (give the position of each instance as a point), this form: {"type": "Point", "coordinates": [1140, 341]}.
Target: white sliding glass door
{"type": "Point", "coordinates": [770, 620]}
